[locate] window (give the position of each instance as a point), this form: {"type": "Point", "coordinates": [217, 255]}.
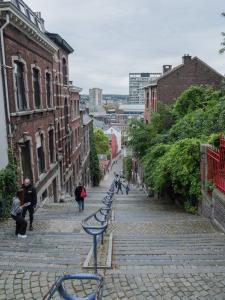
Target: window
{"type": "Point", "coordinates": [51, 146]}
{"type": "Point", "coordinates": [36, 86]}
{"type": "Point", "coordinates": [48, 88]}
{"type": "Point", "coordinates": [20, 85]}
{"type": "Point", "coordinates": [40, 154]}
{"type": "Point", "coordinates": [59, 137]}
{"type": "Point", "coordinates": [66, 114]}
{"type": "Point", "coordinates": [26, 160]}
{"type": "Point", "coordinates": [64, 71]}
{"type": "Point", "coordinates": [57, 91]}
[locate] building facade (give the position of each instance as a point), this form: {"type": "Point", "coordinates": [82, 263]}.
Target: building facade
{"type": "Point", "coordinates": [174, 81]}
{"type": "Point", "coordinates": [76, 132]}
{"type": "Point", "coordinates": [136, 83]}
{"type": "Point", "coordinates": [86, 125]}
{"type": "Point", "coordinates": [42, 114]}
{"type": "Point", "coordinates": [95, 99]}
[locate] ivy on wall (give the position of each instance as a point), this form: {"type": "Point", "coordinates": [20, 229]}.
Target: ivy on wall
{"type": "Point", "coordinates": [8, 186]}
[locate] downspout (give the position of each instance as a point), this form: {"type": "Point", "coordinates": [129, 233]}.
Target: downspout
{"type": "Point", "coordinates": [4, 75]}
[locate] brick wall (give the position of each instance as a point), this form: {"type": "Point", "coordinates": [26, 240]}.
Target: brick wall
{"type": "Point", "coordinates": [192, 72]}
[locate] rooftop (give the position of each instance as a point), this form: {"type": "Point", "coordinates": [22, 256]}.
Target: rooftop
{"type": "Point", "coordinates": [59, 41]}
{"type": "Point", "coordinates": [22, 7]}
{"type": "Point", "coordinates": [132, 107]}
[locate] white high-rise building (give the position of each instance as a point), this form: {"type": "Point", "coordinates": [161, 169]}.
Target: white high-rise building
{"type": "Point", "coordinates": [136, 83]}
{"type": "Point", "coordinates": [95, 99]}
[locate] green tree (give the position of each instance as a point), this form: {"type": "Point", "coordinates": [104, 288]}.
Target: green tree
{"type": "Point", "coordinates": [101, 142]}
{"type": "Point", "coordinates": [141, 136]}
{"type": "Point", "coordinates": [95, 171]}
{"type": "Point", "coordinates": [169, 147]}
{"type": "Point", "coordinates": [195, 97]}
{"type": "Point", "coordinates": [127, 168]}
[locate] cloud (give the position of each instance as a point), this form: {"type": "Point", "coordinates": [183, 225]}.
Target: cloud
{"type": "Point", "coordinates": [114, 37]}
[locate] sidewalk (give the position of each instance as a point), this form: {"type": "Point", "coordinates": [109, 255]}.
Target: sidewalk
{"type": "Point", "coordinates": [159, 251]}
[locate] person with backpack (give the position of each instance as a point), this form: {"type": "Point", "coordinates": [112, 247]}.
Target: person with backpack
{"type": "Point", "coordinates": [80, 194]}
{"type": "Point", "coordinates": [16, 214]}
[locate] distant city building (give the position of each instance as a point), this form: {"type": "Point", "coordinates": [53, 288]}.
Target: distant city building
{"type": "Point", "coordinates": [136, 83]}
{"type": "Point", "coordinates": [95, 99]}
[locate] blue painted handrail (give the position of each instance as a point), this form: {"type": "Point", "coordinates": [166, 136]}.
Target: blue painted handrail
{"type": "Point", "coordinates": [58, 287]}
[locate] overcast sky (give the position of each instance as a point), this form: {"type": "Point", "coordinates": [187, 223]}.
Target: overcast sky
{"type": "Point", "coordinates": [114, 37]}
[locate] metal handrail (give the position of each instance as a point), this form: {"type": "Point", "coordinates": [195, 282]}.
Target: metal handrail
{"type": "Point", "coordinates": [58, 287]}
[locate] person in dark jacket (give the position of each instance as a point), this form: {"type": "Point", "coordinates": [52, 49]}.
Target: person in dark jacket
{"type": "Point", "coordinates": [16, 214]}
{"type": "Point", "coordinates": [79, 199]}
{"type": "Point", "coordinates": [30, 195]}
{"type": "Point", "coordinates": [119, 187]}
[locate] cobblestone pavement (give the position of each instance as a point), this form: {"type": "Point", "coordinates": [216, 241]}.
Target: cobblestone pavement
{"type": "Point", "coordinates": [159, 252]}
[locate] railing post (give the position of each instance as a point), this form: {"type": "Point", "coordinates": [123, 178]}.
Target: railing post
{"type": "Point", "coordinates": [95, 253]}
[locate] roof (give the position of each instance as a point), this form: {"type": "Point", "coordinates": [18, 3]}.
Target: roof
{"type": "Point", "coordinates": [33, 17]}
{"type": "Point", "coordinates": [177, 68]}
{"type": "Point", "coordinates": [58, 40]}
{"type": "Point", "coordinates": [86, 119]}
{"type": "Point", "coordinates": [132, 107]}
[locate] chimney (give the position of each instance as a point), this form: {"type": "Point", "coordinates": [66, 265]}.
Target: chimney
{"type": "Point", "coordinates": [38, 14]}
{"type": "Point", "coordinates": [166, 68]}
{"type": "Point", "coordinates": [186, 58]}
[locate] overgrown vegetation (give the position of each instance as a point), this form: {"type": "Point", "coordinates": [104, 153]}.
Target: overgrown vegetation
{"type": "Point", "coordinates": [169, 147]}
{"type": "Point", "coordinates": [8, 187]}
{"type": "Point", "coordinates": [95, 171]}
{"type": "Point", "coordinates": [127, 168]}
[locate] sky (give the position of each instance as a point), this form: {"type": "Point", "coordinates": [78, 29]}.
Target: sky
{"type": "Point", "coordinates": [112, 38]}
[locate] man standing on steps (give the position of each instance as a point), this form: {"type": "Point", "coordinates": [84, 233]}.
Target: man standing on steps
{"type": "Point", "coordinates": [30, 195]}
{"type": "Point", "coordinates": [119, 187]}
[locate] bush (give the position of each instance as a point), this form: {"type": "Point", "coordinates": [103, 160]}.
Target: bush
{"type": "Point", "coordinates": [8, 187]}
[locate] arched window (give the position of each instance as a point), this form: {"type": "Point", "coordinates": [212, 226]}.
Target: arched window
{"type": "Point", "coordinates": [36, 87]}
{"type": "Point", "coordinates": [19, 74]}
{"type": "Point", "coordinates": [48, 89]}
{"type": "Point", "coordinates": [64, 71]}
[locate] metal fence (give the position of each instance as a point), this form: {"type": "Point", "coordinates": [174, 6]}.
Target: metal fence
{"type": "Point", "coordinates": [216, 165]}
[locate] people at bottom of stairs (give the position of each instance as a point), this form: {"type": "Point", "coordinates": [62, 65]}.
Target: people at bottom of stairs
{"type": "Point", "coordinates": [16, 214]}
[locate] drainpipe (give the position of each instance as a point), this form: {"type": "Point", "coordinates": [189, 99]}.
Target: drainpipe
{"type": "Point", "coordinates": [4, 75]}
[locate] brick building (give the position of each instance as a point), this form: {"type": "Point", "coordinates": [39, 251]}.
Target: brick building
{"type": "Point", "coordinates": [62, 111]}
{"type": "Point", "coordinates": [174, 81]}
{"type": "Point", "coordinates": [86, 127]}
{"type": "Point", "coordinates": [75, 124]}
{"type": "Point", "coordinates": [42, 109]}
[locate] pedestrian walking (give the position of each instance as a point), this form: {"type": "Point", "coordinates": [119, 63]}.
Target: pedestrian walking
{"type": "Point", "coordinates": [30, 196]}
{"type": "Point", "coordinates": [116, 179]}
{"type": "Point", "coordinates": [119, 187]}
{"type": "Point", "coordinates": [80, 194]}
{"type": "Point", "coordinates": [127, 188]}
{"type": "Point", "coordinates": [16, 214]}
